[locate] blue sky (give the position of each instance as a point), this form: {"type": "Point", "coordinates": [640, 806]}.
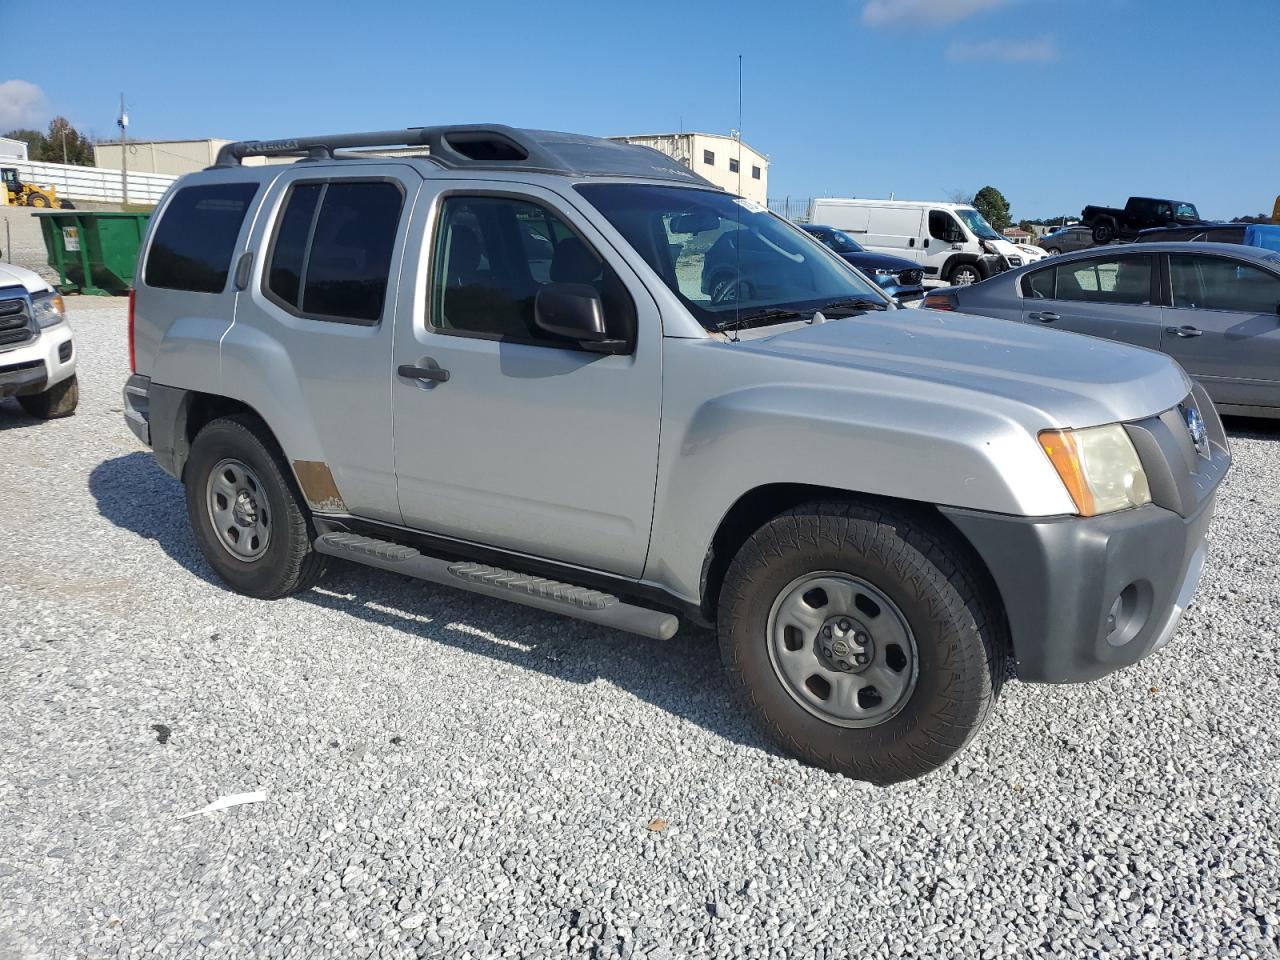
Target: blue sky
{"type": "Point", "coordinates": [1058, 103]}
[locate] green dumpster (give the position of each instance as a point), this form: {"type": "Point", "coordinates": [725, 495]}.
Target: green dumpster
{"type": "Point", "coordinates": [94, 252]}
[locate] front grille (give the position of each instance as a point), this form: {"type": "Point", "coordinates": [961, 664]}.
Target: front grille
{"type": "Point", "coordinates": [909, 278]}
{"type": "Point", "coordinates": [16, 326]}
{"type": "Point", "coordinates": [1015, 261]}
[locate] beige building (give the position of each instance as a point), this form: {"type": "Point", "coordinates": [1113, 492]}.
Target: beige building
{"type": "Point", "coordinates": [725, 161]}
{"type": "Point", "coordinates": [174, 157]}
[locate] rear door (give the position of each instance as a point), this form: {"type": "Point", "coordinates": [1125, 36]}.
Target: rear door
{"type": "Point", "coordinates": [1222, 325]}
{"type": "Point", "coordinates": [1112, 297]}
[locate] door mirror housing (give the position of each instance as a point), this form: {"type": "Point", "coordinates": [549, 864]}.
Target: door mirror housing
{"type": "Point", "coordinates": [575, 311]}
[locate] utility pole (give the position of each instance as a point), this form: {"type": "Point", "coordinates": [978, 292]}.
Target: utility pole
{"type": "Point", "coordinates": [64, 146]}
{"type": "Point", "coordinates": [123, 123]}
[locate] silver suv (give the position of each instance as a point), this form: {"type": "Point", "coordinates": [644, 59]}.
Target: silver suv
{"type": "Point", "coordinates": [505, 366]}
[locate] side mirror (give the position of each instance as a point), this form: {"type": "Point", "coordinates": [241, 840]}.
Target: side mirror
{"type": "Point", "coordinates": [575, 311]}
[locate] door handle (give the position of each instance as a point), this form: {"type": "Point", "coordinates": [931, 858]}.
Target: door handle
{"type": "Point", "coordinates": [1184, 331]}
{"type": "Point", "coordinates": [436, 374]}
{"type": "Point", "coordinates": [1044, 316]}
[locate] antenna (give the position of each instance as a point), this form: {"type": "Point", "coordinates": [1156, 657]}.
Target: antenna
{"type": "Point", "coordinates": [123, 124]}
{"type": "Point", "coordinates": [737, 233]}
{"type": "Point", "coordinates": [739, 124]}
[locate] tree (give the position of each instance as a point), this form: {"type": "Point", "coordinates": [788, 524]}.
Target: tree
{"type": "Point", "coordinates": [994, 208]}
{"type": "Point", "coordinates": [62, 143]}
{"type": "Point", "coordinates": [960, 195]}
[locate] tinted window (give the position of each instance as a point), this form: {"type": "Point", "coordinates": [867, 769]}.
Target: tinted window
{"type": "Point", "coordinates": [755, 173]}
{"type": "Point", "coordinates": [196, 237]}
{"type": "Point", "coordinates": [350, 258]}
{"type": "Point", "coordinates": [284, 275]}
{"type": "Point", "coordinates": [493, 255]}
{"type": "Point", "coordinates": [1113, 280]}
{"type": "Point", "coordinates": [708, 157]}
{"type": "Point", "coordinates": [942, 226]}
{"type": "Point", "coordinates": [733, 166]}
{"type": "Point", "coordinates": [1039, 284]}
{"type": "Point", "coordinates": [1215, 283]}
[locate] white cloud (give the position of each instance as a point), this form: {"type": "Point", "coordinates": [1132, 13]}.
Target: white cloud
{"type": "Point", "coordinates": [1042, 50]}
{"type": "Point", "coordinates": [930, 13]}
{"type": "Point", "coordinates": [22, 104]}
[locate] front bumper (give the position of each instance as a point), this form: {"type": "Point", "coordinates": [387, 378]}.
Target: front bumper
{"type": "Point", "coordinates": [1087, 596]}
{"type": "Point", "coordinates": [36, 366]}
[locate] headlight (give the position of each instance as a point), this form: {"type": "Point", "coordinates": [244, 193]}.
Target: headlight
{"type": "Point", "coordinates": [48, 309]}
{"type": "Point", "coordinates": [1099, 468]}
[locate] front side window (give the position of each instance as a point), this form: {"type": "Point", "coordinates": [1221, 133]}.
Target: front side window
{"type": "Point", "coordinates": [331, 254]}
{"type": "Point", "coordinates": [942, 226]}
{"type": "Point", "coordinates": [196, 237]}
{"type": "Point", "coordinates": [492, 256]}
{"type": "Point", "coordinates": [1216, 283]}
{"type": "Point", "coordinates": [1111, 280]}
{"type": "Point", "coordinates": [727, 258]}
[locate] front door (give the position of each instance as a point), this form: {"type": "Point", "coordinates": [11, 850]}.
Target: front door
{"type": "Point", "coordinates": [943, 238]}
{"type": "Point", "coordinates": [1223, 327]}
{"type": "Point", "coordinates": [1107, 296]}
{"type": "Point", "coordinates": [532, 443]}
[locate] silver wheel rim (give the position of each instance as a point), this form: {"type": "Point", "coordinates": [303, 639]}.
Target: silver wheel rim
{"type": "Point", "coordinates": [842, 649]}
{"type": "Point", "coordinates": [238, 510]}
{"type": "Point", "coordinates": [965, 276]}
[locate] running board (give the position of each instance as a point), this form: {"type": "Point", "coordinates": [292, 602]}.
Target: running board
{"type": "Point", "coordinates": [564, 598]}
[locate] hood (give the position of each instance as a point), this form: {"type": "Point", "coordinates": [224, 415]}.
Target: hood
{"type": "Point", "coordinates": [17, 276]}
{"type": "Point", "coordinates": [1005, 247]}
{"type": "Point", "coordinates": [885, 261]}
{"type": "Point", "coordinates": [1057, 378]}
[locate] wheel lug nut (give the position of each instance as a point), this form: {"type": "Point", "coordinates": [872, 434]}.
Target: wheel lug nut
{"type": "Point", "coordinates": [844, 626]}
{"type": "Point", "coordinates": [826, 631]}
{"type": "Point", "coordinates": [861, 659]}
{"type": "Point", "coordinates": [861, 639]}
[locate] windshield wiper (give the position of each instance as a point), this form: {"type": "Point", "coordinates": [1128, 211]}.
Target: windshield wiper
{"type": "Point", "coordinates": [854, 303]}
{"type": "Point", "coordinates": [758, 316]}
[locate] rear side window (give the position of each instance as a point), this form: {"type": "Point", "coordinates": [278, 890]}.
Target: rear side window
{"type": "Point", "coordinates": [196, 237]}
{"type": "Point", "coordinates": [1124, 280]}
{"type": "Point", "coordinates": [331, 255]}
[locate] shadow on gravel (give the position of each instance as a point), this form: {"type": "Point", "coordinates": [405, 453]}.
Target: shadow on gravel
{"type": "Point", "coordinates": [1252, 428]}
{"type": "Point", "coordinates": [12, 416]}
{"type": "Point", "coordinates": [681, 676]}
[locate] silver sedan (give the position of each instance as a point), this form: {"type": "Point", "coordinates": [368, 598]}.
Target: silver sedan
{"type": "Point", "coordinates": [1213, 307]}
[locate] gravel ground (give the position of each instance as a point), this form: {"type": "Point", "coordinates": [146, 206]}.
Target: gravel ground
{"type": "Point", "coordinates": [448, 776]}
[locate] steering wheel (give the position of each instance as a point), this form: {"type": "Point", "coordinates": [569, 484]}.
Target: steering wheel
{"type": "Point", "coordinates": [730, 290]}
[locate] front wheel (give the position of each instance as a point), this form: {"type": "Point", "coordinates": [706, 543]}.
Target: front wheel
{"type": "Point", "coordinates": [1053, 251]}
{"type": "Point", "coordinates": [248, 521]}
{"type": "Point", "coordinates": [60, 400]}
{"type": "Point", "coordinates": [38, 200]}
{"type": "Point", "coordinates": [1104, 232]}
{"type": "Point", "coordinates": [860, 640]}
{"type": "Point", "coordinates": [963, 274]}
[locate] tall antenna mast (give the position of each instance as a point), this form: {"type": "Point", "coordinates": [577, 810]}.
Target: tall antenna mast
{"type": "Point", "coordinates": [739, 124]}
{"type": "Point", "coordinates": [123, 124]}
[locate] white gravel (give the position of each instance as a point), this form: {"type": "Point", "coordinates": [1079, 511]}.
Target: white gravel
{"type": "Point", "coordinates": [448, 776]}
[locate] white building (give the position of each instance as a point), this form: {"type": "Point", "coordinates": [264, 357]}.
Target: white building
{"type": "Point", "coordinates": [725, 161]}
{"type": "Point", "coordinates": [12, 149]}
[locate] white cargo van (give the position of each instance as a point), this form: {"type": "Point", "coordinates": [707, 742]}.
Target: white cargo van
{"type": "Point", "coordinates": [951, 241]}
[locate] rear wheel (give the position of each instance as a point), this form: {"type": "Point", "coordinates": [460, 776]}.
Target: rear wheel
{"type": "Point", "coordinates": [38, 200]}
{"type": "Point", "coordinates": [860, 641]}
{"type": "Point", "coordinates": [963, 274]}
{"type": "Point", "coordinates": [1053, 251]}
{"type": "Point", "coordinates": [1104, 232]}
{"type": "Point", "coordinates": [60, 400]}
{"type": "Point", "coordinates": [248, 520]}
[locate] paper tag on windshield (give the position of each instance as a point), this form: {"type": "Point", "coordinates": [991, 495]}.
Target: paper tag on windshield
{"type": "Point", "coordinates": [749, 205]}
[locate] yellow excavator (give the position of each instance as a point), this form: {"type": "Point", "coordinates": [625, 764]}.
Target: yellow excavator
{"type": "Point", "coordinates": [1275, 212]}
{"type": "Point", "coordinates": [27, 194]}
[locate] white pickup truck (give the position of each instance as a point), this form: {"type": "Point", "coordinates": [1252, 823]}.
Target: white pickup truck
{"type": "Point", "coordinates": [37, 356]}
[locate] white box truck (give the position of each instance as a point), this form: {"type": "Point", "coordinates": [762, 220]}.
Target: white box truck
{"type": "Point", "coordinates": [951, 241]}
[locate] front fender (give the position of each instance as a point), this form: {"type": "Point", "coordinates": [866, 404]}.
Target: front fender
{"type": "Point", "coordinates": [845, 438]}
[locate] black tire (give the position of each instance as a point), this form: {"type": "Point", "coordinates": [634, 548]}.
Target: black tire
{"type": "Point", "coordinates": [964, 273]}
{"type": "Point", "coordinates": [38, 200]}
{"type": "Point", "coordinates": [1104, 232]}
{"type": "Point", "coordinates": [959, 635]}
{"type": "Point", "coordinates": [289, 563]}
{"type": "Point", "coordinates": [66, 205]}
{"type": "Point", "coordinates": [1053, 251]}
{"type": "Point", "coordinates": [60, 400]}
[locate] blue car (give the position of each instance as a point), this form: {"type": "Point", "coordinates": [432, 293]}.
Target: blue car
{"type": "Point", "coordinates": [900, 278]}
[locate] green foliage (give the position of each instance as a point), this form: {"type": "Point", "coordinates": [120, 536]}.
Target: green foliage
{"type": "Point", "coordinates": [61, 143]}
{"type": "Point", "coordinates": [994, 208]}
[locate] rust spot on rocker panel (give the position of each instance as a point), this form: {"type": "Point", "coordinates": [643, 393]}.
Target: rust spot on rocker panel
{"type": "Point", "coordinates": [318, 486]}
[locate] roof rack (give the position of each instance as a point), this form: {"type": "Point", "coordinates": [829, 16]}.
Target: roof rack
{"type": "Point", "coordinates": [490, 146]}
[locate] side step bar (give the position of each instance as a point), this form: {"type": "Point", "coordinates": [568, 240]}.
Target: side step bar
{"type": "Point", "coordinates": [564, 598]}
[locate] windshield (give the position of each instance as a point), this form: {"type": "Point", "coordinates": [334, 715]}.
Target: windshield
{"type": "Point", "coordinates": [973, 220]}
{"type": "Point", "coordinates": [841, 242]}
{"type": "Point", "coordinates": [727, 258]}
{"type": "Point", "coordinates": [1185, 211]}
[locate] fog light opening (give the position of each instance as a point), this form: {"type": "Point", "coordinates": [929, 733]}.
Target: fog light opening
{"type": "Point", "coordinates": [1128, 614]}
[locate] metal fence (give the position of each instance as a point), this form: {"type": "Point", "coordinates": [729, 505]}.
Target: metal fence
{"type": "Point", "coordinates": [794, 209]}
{"type": "Point", "coordinates": [92, 183]}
